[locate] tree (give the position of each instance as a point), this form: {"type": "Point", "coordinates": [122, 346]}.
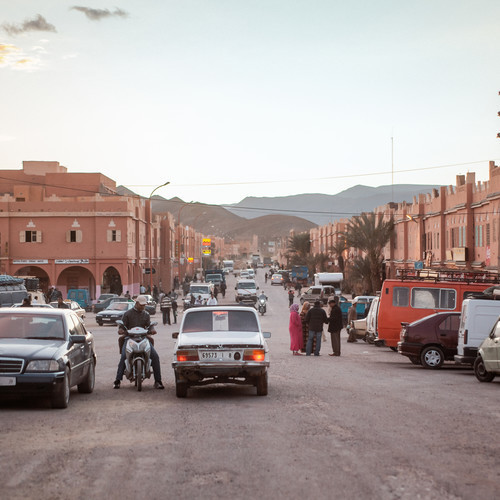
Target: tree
{"type": "Point", "coordinates": [370, 233]}
{"type": "Point", "coordinates": [299, 246]}
{"type": "Point", "coordinates": [338, 249]}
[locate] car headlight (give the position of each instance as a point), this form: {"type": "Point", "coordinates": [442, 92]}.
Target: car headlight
{"type": "Point", "coordinates": [43, 365]}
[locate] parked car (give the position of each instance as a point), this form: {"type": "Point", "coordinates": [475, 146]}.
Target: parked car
{"type": "Point", "coordinates": [100, 306]}
{"type": "Point", "coordinates": [74, 306]}
{"type": "Point", "coordinates": [105, 296]}
{"type": "Point", "coordinates": [113, 312]}
{"type": "Point", "coordinates": [220, 345]}
{"type": "Point", "coordinates": [487, 362]}
{"type": "Point", "coordinates": [432, 340]}
{"type": "Point", "coordinates": [317, 292]}
{"type": "Point", "coordinates": [45, 352]}
{"type": "Point", "coordinates": [82, 296]}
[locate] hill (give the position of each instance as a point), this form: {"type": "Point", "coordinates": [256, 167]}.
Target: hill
{"type": "Point", "coordinates": [324, 208]}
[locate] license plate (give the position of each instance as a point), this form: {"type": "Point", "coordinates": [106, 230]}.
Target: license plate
{"type": "Point", "coordinates": [7, 381]}
{"type": "Point", "coordinates": [218, 355]}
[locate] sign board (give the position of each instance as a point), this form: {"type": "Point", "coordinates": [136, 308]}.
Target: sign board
{"type": "Point", "coordinates": [71, 261]}
{"type": "Point", "coordinates": [206, 242]}
{"type": "Point", "coordinates": [147, 270]}
{"type": "Point", "coordinates": [30, 261]}
{"type": "Point", "coordinates": [190, 259]}
{"type": "Point", "coordinates": [206, 251]}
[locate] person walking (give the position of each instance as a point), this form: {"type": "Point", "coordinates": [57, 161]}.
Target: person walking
{"type": "Point", "coordinates": [352, 315]}
{"type": "Point", "coordinates": [316, 317]}
{"type": "Point", "coordinates": [290, 297]}
{"type": "Point", "coordinates": [212, 301]}
{"type": "Point", "coordinates": [223, 287]}
{"type": "Point", "coordinates": [174, 309]}
{"type": "Point", "coordinates": [295, 329]}
{"type": "Point", "coordinates": [305, 326]}
{"type": "Point", "coordinates": [165, 306]}
{"type": "Point", "coordinates": [335, 325]}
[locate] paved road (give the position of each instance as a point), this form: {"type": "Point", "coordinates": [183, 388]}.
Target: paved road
{"type": "Point", "coordinates": [366, 425]}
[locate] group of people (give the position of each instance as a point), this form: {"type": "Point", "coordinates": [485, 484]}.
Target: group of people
{"type": "Point", "coordinates": [168, 302]}
{"type": "Point", "coordinates": [306, 327]}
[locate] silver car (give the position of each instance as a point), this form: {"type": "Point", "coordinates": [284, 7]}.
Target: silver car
{"type": "Point", "coordinates": [220, 344]}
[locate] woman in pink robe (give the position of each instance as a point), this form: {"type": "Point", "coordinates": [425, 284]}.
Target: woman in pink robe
{"type": "Point", "coordinates": [295, 329]}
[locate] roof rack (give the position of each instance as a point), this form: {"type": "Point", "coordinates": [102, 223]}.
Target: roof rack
{"type": "Point", "coordinates": [437, 275]}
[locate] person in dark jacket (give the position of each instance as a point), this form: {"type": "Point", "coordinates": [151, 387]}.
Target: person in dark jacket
{"type": "Point", "coordinates": [335, 325]}
{"type": "Point", "coordinates": [316, 317]}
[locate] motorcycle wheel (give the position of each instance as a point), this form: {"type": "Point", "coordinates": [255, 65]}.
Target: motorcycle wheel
{"type": "Point", "coordinates": [138, 373]}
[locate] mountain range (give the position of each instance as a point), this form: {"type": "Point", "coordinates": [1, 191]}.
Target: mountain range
{"type": "Point", "coordinates": [271, 217]}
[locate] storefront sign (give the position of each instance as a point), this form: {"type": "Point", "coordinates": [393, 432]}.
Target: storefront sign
{"type": "Point", "coordinates": [30, 261]}
{"type": "Point", "coordinates": [71, 261]}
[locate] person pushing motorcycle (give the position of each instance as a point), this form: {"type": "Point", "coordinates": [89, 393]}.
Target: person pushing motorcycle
{"type": "Point", "coordinates": [138, 316]}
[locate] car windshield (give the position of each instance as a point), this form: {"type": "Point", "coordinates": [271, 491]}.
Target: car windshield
{"type": "Point", "coordinates": [246, 286]}
{"type": "Point", "coordinates": [198, 289]}
{"type": "Point", "coordinates": [216, 321]}
{"type": "Point", "coordinates": [31, 326]}
{"type": "Point", "coordinates": [118, 306]}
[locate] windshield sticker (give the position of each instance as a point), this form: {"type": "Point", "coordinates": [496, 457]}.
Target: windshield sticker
{"type": "Point", "coordinates": [220, 321]}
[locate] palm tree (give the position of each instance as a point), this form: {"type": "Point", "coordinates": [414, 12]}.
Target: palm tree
{"type": "Point", "coordinates": [338, 249]}
{"type": "Point", "coordinates": [299, 246]}
{"type": "Point", "coordinates": [369, 233]}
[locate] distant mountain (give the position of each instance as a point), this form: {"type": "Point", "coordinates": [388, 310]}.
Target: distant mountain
{"type": "Point", "coordinates": [324, 208]}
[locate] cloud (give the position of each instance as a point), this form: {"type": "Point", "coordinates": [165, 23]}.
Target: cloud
{"type": "Point", "coordinates": [13, 57]}
{"type": "Point", "coordinates": [98, 14]}
{"type": "Point", "coordinates": [38, 23]}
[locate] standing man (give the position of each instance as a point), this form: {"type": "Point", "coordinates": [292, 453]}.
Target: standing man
{"type": "Point", "coordinates": [138, 316]}
{"type": "Point", "coordinates": [316, 317]}
{"type": "Point", "coordinates": [335, 325]}
{"type": "Point", "coordinates": [223, 288]}
{"type": "Point", "coordinates": [165, 306]}
{"type": "Point", "coordinates": [290, 297]}
{"type": "Point", "coordinates": [174, 308]}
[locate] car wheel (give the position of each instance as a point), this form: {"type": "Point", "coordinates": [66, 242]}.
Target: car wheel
{"type": "Point", "coordinates": [480, 371]}
{"type": "Point", "coordinates": [60, 398]}
{"type": "Point", "coordinates": [415, 360]}
{"type": "Point", "coordinates": [262, 384]}
{"type": "Point", "coordinates": [392, 348]}
{"type": "Point", "coordinates": [99, 323]}
{"type": "Point", "coordinates": [87, 386]}
{"type": "Point", "coordinates": [181, 387]}
{"type": "Point", "coordinates": [432, 357]}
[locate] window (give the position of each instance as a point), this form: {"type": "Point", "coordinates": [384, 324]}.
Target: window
{"type": "Point", "coordinates": [433, 298]}
{"type": "Point", "coordinates": [74, 236]}
{"type": "Point", "coordinates": [450, 324]}
{"type": "Point", "coordinates": [114, 235]}
{"type": "Point", "coordinates": [400, 296]}
{"type": "Point", "coordinates": [30, 236]}
{"type": "Point", "coordinates": [487, 235]}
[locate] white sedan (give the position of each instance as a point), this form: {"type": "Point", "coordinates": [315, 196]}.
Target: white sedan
{"type": "Point", "coordinates": [220, 344]}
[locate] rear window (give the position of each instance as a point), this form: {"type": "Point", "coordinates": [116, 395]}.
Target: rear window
{"type": "Point", "coordinates": [212, 321]}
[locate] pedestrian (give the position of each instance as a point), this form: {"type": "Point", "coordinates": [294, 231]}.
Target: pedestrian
{"type": "Point", "coordinates": [305, 326]}
{"type": "Point", "coordinates": [335, 325]}
{"type": "Point", "coordinates": [223, 287]}
{"type": "Point", "coordinates": [174, 308]}
{"type": "Point", "coordinates": [216, 291]}
{"type": "Point", "coordinates": [142, 289]}
{"type": "Point", "coordinates": [212, 301]}
{"type": "Point", "coordinates": [316, 317]}
{"type": "Point", "coordinates": [265, 277]}
{"type": "Point", "coordinates": [26, 302]}
{"type": "Point", "coordinates": [295, 329]}
{"type": "Point", "coordinates": [127, 295]}
{"type": "Point", "coordinates": [290, 297]}
{"type": "Point", "coordinates": [352, 315]}
{"type": "Point", "coordinates": [35, 300]}
{"type": "Point", "coordinates": [165, 306]}
{"type": "Point", "coordinates": [61, 304]}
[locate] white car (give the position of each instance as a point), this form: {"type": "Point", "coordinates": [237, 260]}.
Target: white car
{"type": "Point", "coordinates": [276, 279]}
{"type": "Point", "coordinates": [198, 290]}
{"type": "Point", "coordinates": [220, 344]}
{"type": "Point", "coordinates": [246, 291]}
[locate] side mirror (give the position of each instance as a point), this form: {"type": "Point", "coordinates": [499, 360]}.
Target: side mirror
{"type": "Point", "coordinates": [77, 339]}
{"type": "Point", "coordinates": [175, 335]}
{"type": "Point", "coordinates": [267, 335]}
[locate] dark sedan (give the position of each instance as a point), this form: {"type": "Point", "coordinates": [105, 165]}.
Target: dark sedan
{"type": "Point", "coordinates": [113, 313]}
{"type": "Point", "coordinates": [45, 352]}
{"type": "Point", "coordinates": [100, 306]}
{"type": "Point", "coordinates": [431, 340]}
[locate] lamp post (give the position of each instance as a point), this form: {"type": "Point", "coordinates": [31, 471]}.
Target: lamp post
{"type": "Point", "coordinates": [150, 236]}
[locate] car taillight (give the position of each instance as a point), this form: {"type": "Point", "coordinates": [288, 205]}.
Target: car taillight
{"type": "Point", "coordinates": [254, 355]}
{"type": "Point", "coordinates": [187, 355]}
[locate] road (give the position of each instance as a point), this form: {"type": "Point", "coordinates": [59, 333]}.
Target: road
{"type": "Point", "coordinates": [366, 425]}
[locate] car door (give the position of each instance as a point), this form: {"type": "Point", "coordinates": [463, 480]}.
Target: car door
{"type": "Point", "coordinates": [491, 349]}
{"type": "Point", "coordinates": [76, 352]}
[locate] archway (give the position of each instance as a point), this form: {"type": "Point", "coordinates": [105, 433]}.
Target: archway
{"type": "Point", "coordinates": [111, 281]}
{"type": "Point", "coordinates": [35, 272]}
{"type": "Point", "coordinates": [76, 277]}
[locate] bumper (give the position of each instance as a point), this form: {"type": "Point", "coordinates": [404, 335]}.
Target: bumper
{"type": "Point", "coordinates": [33, 384]}
{"type": "Point", "coordinates": [409, 349]}
{"type": "Point", "coordinates": [195, 371]}
{"type": "Point", "coordinates": [468, 357]}
{"type": "Point", "coordinates": [104, 319]}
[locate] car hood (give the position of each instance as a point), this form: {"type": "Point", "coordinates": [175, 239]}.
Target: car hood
{"type": "Point", "coordinates": [30, 348]}
{"type": "Point", "coordinates": [218, 338]}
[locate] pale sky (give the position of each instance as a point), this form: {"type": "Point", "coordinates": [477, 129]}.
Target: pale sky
{"type": "Point", "coordinates": [294, 96]}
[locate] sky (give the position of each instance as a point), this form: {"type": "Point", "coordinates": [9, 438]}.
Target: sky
{"type": "Point", "coordinates": [233, 98]}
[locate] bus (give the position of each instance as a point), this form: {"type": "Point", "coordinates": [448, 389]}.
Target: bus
{"type": "Point", "coordinates": [417, 294]}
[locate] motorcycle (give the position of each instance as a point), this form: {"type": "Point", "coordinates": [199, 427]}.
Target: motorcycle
{"type": "Point", "coordinates": [138, 354]}
{"type": "Point", "coordinates": [262, 305]}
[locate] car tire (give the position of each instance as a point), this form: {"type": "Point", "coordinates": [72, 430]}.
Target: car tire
{"type": "Point", "coordinates": [99, 323]}
{"type": "Point", "coordinates": [261, 384]}
{"type": "Point", "coordinates": [480, 371]}
{"type": "Point", "coordinates": [60, 399]}
{"type": "Point", "coordinates": [87, 386]}
{"type": "Point", "coordinates": [432, 357]}
{"type": "Point", "coordinates": [415, 360]}
{"type": "Point", "coordinates": [181, 387]}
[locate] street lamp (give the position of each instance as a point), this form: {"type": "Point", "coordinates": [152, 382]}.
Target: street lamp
{"type": "Point", "coordinates": [150, 236]}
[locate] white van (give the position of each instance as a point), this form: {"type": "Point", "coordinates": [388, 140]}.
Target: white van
{"type": "Point", "coordinates": [476, 321]}
{"type": "Point", "coordinates": [371, 321]}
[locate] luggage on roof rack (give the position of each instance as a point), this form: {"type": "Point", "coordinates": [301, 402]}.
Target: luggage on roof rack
{"type": "Point", "coordinates": [6, 280]}
{"type": "Point", "coordinates": [458, 275]}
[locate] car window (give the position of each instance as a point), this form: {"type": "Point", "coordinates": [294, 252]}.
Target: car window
{"type": "Point", "coordinates": [79, 329]}
{"type": "Point", "coordinates": [210, 321]}
{"type": "Point", "coordinates": [401, 296]}
{"type": "Point", "coordinates": [496, 330]}
{"type": "Point", "coordinates": [246, 285]}
{"type": "Point", "coordinates": [118, 306]}
{"type": "Point", "coordinates": [31, 326]}
{"type": "Point", "coordinates": [450, 324]}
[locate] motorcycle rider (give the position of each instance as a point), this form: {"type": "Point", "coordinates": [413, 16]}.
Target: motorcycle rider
{"type": "Point", "coordinates": [263, 297]}
{"type": "Point", "coordinates": [138, 316]}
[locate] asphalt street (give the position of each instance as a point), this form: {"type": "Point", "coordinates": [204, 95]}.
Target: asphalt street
{"type": "Point", "coordinates": [366, 425]}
